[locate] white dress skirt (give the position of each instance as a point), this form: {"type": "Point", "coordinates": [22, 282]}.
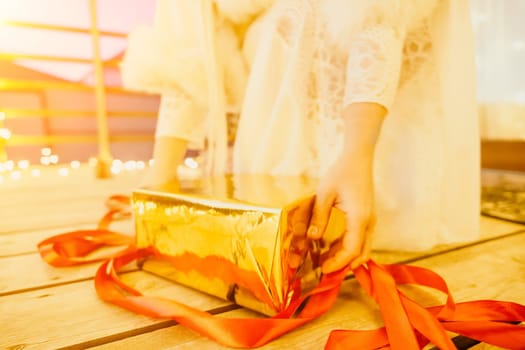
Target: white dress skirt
{"type": "Point", "coordinates": [291, 66]}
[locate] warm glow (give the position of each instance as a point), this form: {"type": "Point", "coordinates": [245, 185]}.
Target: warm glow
{"type": "Point", "coordinates": [75, 164]}
{"type": "Point", "coordinates": [130, 165]}
{"type": "Point", "coordinates": [4, 4]}
{"type": "Point", "coordinates": [16, 175]}
{"type": "Point", "coordinates": [9, 165]}
{"type": "Point", "coordinates": [63, 172]}
{"type": "Point", "coordinates": [5, 133]}
{"type": "Point", "coordinates": [23, 164]}
{"type": "Point", "coordinates": [116, 170]}
{"type": "Point", "coordinates": [116, 166]}
{"type": "Point", "coordinates": [9, 8]}
{"type": "Point", "coordinates": [45, 160]}
{"type": "Point", "coordinates": [191, 163]}
{"type": "Point", "coordinates": [53, 159]}
{"type": "Point", "coordinates": [2, 116]}
{"type": "Point", "coordinates": [46, 151]}
{"type": "Point", "coordinates": [35, 172]}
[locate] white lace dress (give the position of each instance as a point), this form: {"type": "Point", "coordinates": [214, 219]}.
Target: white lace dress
{"type": "Point", "coordinates": [290, 67]}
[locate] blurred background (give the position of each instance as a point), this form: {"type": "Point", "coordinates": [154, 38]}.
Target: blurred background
{"type": "Point", "coordinates": [61, 99]}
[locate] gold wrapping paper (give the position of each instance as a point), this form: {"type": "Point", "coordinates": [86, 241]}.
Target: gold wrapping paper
{"type": "Point", "coordinates": [241, 238]}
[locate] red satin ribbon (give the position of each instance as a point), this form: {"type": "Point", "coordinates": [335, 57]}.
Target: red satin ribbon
{"type": "Point", "coordinates": [71, 248]}
{"type": "Point", "coordinates": [408, 325]}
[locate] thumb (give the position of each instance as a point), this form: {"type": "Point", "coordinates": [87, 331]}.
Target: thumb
{"type": "Point", "coordinates": [320, 215]}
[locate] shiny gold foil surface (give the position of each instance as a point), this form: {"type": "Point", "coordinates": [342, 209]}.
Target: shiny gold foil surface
{"type": "Point", "coordinates": [241, 238]}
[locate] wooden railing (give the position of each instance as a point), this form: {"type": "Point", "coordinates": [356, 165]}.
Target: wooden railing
{"type": "Point", "coordinates": [102, 138]}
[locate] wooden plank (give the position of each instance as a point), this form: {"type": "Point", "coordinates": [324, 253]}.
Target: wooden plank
{"type": "Point", "coordinates": [85, 213]}
{"type": "Point", "coordinates": [29, 272]}
{"type": "Point", "coordinates": [495, 271]}
{"type": "Point", "coordinates": [72, 314]}
{"type": "Point", "coordinates": [26, 242]}
{"type": "Point", "coordinates": [48, 216]}
{"type": "Point", "coordinates": [56, 206]}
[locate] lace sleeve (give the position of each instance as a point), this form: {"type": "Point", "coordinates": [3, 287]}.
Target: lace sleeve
{"type": "Point", "coordinates": [373, 67]}
{"type": "Point", "coordinates": [181, 117]}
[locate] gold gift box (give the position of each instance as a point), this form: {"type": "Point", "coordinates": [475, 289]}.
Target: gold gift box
{"type": "Point", "coordinates": [241, 238]}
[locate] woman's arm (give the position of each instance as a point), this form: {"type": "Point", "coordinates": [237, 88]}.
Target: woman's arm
{"type": "Point", "coordinates": [180, 122]}
{"type": "Point", "coordinates": [168, 154]}
{"type": "Point", "coordinates": [348, 186]}
{"type": "Point", "coordinates": [372, 78]}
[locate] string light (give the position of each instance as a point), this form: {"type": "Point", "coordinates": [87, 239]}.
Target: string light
{"type": "Point", "coordinates": [46, 151]}
{"type": "Point", "coordinates": [45, 160]}
{"type": "Point", "coordinates": [63, 172]}
{"type": "Point", "coordinates": [23, 164]}
{"type": "Point", "coordinates": [191, 163]}
{"type": "Point", "coordinates": [115, 170]}
{"type": "Point", "coordinates": [5, 133]}
{"type": "Point", "coordinates": [116, 166]}
{"type": "Point", "coordinates": [53, 159]}
{"type": "Point", "coordinates": [24, 170]}
{"type": "Point", "coordinates": [16, 175]}
{"type": "Point", "coordinates": [130, 165]}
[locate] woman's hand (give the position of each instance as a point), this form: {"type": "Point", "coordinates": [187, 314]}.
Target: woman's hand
{"type": "Point", "coordinates": [348, 186]}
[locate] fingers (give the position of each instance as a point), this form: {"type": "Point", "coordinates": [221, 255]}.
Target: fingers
{"type": "Point", "coordinates": [367, 247]}
{"type": "Point", "coordinates": [320, 215]}
{"type": "Point", "coordinates": [363, 257]}
{"type": "Point", "coordinates": [354, 248]}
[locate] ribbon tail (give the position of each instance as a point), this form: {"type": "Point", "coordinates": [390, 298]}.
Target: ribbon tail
{"type": "Point", "coordinates": [357, 340]}
{"type": "Point", "coordinates": [233, 332]}
{"type": "Point", "coordinates": [504, 335]}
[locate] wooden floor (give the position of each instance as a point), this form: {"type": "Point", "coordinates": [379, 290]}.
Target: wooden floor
{"type": "Point", "coordinates": [42, 307]}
